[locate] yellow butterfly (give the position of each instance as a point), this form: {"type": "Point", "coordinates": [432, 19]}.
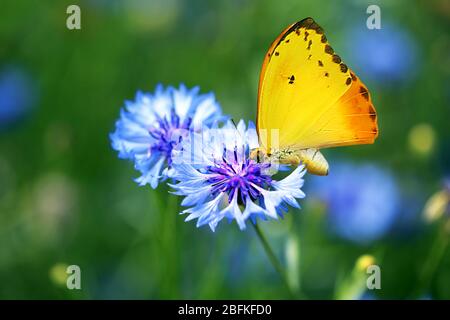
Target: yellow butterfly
{"type": "Point", "coordinates": [309, 99]}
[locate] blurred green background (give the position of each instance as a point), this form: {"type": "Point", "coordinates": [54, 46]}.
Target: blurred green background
{"type": "Point", "coordinates": [65, 197]}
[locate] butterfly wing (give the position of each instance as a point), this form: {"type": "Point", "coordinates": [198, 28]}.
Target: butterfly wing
{"type": "Point", "coordinates": [350, 120]}
{"type": "Point", "coordinates": [309, 96]}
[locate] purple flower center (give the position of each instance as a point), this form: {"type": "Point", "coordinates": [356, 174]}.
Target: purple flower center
{"type": "Point", "coordinates": [168, 134]}
{"type": "Point", "coordinates": [238, 177]}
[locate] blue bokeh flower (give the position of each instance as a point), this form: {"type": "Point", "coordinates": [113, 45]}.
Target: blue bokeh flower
{"type": "Point", "coordinates": [17, 95]}
{"type": "Point", "coordinates": [388, 55]}
{"type": "Point", "coordinates": [362, 201]}
{"type": "Point", "coordinates": [219, 180]}
{"type": "Point", "coordinates": [153, 124]}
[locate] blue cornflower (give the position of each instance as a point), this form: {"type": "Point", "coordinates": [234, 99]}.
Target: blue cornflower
{"type": "Point", "coordinates": [219, 180]}
{"type": "Point", "coordinates": [386, 56]}
{"type": "Point", "coordinates": [17, 95]}
{"type": "Point", "coordinates": [363, 201]}
{"type": "Point", "coordinates": [153, 124]}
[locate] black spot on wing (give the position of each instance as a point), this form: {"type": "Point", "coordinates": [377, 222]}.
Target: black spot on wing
{"type": "Point", "coordinates": [348, 81]}
{"type": "Point", "coordinates": [329, 49]}
{"type": "Point", "coordinates": [344, 67]}
{"type": "Point", "coordinates": [314, 26]}
{"type": "Point", "coordinates": [305, 23]}
{"type": "Point", "coordinates": [336, 58]}
{"type": "Point", "coordinates": [364, 93]}
{"type": "Point", "coordinates": [320, 63]}
{"type": "Point", "coordinates": [291, 79]}
{"type": "Point", "coordinates": [306, 35]}
{"type": "Point", "coordinates": [373, 114]}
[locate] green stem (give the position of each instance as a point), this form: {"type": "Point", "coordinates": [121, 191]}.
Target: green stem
{"type": "Point", "coordinates": [437, 252]}
{"type": "Point", "coordinates": [276, 262]}
{"type": "Point", "coordinates": [168, 243]}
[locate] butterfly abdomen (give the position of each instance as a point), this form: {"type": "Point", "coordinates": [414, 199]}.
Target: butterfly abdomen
{"type": "Point", "coordinates": [313, 160]}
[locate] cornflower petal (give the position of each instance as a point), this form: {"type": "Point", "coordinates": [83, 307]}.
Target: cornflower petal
{"type": "Point", "coordinates": [221, 181]}
{"type": "Point", "coordinates": [152, 126]}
